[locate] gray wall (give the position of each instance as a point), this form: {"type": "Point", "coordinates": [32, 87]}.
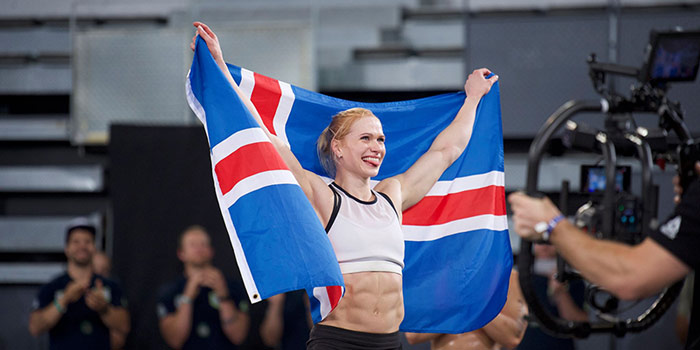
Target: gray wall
{"type": "Point", "coordinates": [16, 303]}
{"type": "Point", "coordinates": [541, 59]}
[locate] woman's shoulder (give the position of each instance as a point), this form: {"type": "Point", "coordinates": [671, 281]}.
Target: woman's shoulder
{"type": "Point", "coordinates": [388, 185]}
{"type": "Point", "coordinates": [392, 188]}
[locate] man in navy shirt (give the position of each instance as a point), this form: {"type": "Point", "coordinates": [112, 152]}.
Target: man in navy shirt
{"type": "Point", "coordinates": [198, 311]}
{"type": "Point", "coordinates": [79, 308]}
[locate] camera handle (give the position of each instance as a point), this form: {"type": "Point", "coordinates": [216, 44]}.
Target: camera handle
{"type": "Point", "coordinates": [555, 325]}
{"type": "Point", "coordinates": [649, 195]}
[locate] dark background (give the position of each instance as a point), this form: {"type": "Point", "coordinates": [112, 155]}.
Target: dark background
{"type": "Point", "coordinates": [161, 183]}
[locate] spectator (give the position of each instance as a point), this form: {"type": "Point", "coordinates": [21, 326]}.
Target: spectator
{"type": "Point", "coordinates": [79, 308]}
{"type": "Point", "coordinates": [198, 310]}
{"type": "Point", "coordinates": [102, 265]}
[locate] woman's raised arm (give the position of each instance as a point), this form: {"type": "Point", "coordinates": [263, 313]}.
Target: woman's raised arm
{"type": "Point", "coordinates": [415, 183]}
{"type": "Point", "coordinates": [313, 186]}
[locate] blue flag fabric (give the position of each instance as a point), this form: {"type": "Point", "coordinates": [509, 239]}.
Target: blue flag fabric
{"type": "Point", "coordinates": [457, 253]}
{"type": "Point", "coordinates": [277, 238]}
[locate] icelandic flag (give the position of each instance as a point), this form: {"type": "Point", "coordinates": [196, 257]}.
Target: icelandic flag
{"type": "Point", "coordinates": [279, 243]}
{"type": "Point", "coordinates": [457, 251]}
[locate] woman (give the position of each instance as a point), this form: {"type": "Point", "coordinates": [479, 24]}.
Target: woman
{"type": "Point", "coordinates": [364, 224]}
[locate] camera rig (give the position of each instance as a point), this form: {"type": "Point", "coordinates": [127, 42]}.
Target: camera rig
{"type": "Point", "coordinates": [671, 56]}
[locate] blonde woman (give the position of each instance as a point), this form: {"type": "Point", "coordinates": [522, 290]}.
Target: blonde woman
{"type": "Point", "coordinates": [364, 223]}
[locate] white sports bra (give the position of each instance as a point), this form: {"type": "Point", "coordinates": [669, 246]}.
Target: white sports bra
{"type": "Point", "coordinates": [366, 236]}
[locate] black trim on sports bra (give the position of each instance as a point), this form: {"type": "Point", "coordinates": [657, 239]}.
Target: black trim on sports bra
{"type": "Point", "coordinates": [353, 197]}
{"type": "Point", "coordinates": [336, 209]}
{"type": "Point", "coordinates": [390, 202]}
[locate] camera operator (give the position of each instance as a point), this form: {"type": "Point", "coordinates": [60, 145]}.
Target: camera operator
{"type": "Point", "coordinates": [629, 272]}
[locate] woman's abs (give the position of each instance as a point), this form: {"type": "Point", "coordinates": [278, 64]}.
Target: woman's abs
{"type": "Point", "coordinates": [373, 303]}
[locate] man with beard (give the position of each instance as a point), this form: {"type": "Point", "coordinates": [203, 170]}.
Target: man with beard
{"type": "Point", "coordinates": [198, 311]}
{"type": "Point", "coordinates": [79, 308]}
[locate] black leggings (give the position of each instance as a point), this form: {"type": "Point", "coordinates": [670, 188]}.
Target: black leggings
{"type": "Point", "coordinates": [333, 338]}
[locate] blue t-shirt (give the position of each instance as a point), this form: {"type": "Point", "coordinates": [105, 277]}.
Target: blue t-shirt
{"type": "Point", "coordinates": [206, 332]}
{"type": "Point", "coordinates": [80, 327]}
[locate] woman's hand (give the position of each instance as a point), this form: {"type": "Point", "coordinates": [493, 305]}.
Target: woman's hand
{"type": "Point", "coordinates": [477, 85]}
{"type": "Point", "coordinates": [210, 38]}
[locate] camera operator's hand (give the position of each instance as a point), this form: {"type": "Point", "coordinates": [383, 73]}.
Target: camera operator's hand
{"type": "Point", "coordinates": [528, 211]}
{"type": "Point", "coordinates": [677, 189]}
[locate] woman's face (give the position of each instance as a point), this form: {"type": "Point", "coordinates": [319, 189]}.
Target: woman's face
{"type": "Point", "coordinates": [362, 149]}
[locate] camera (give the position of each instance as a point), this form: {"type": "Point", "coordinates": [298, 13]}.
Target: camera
{"type": "Point", "coordinates": [593, 178]}
{"type": "Point", "coordinates": [671, 56]}
{"type": "Point", "coordinates": [612, 211]}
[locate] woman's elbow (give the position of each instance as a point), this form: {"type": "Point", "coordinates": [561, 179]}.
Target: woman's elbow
{"type": "Point", "coordinates": [451, 152]}
{"type": "Point", "coordinates": [512, 342]}
{"type": "Point", "coordinates": [513, 339]}
{"type": "Point", "coordinates": [417, 338]}
{"type": "Point", "coordinates": [412, 338]}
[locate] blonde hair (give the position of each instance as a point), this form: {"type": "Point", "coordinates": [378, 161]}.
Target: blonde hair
{"type": "Point", "coordinates": [337, 129]}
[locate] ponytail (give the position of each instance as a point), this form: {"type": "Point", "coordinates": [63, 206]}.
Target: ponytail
{"type": "Point", "coordinates": [324, 151]}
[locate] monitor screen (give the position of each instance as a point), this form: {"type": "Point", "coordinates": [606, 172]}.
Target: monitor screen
{"type": "Point", "coordinates": [674, 56]}
{"type": "Point", "coordinates": [593, 178]}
